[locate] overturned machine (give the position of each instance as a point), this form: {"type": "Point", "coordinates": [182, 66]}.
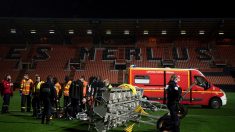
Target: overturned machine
{"type": "Point", "coordinates": [120, 105]}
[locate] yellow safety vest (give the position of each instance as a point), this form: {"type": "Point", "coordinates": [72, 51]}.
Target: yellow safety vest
{"type": "Point", "coordinates": [66, 88]}
{"type": "Point", "coordinates": [37, 87]}
{"type": "Point", "coordinates": [57, 88]}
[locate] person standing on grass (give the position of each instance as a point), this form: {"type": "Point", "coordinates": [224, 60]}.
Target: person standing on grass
{"type": "Point", "coordinates": [47, 95]}
{"type": "Point", "coordinates": [173, 98]}
{"type": "Point", "coordinates": [58, 94]}
{"type": "Point", "coordinates": [75, 91]}
{"type": "Point", "coordinates": [66, 87]}
{"type": "Point", "coordinates": [83, 94]}
{"type": "Point", "coordinates": [6, 92]}
{"type": "Point", "coordinates": [35, 93]}
{"type": "Point", "coordinates": [26, 85]}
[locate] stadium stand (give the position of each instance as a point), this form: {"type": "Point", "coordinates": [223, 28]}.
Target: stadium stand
{"type": "Point", "coordinates": [109, 55]}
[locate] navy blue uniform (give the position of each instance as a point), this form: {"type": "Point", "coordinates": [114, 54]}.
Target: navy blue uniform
{"type": "Point", "coordinates": [47, 95]}
{"type": "Point", "coordinates": [75, 93]}
{"type": "Point", "coordinates": [173, 98]}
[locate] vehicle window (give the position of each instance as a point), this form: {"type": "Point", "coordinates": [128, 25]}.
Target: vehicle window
{"type": "Point", "coordinates": [142, 79]}
{"type": "Point", "coordinates": [201, 81]}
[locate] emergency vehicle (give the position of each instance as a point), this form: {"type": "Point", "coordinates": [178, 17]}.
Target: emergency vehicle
{"type": "Point", "coordinates": [154, 81]}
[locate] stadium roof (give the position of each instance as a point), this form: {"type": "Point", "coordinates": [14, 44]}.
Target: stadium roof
{"type": "Point", "coordinates": [117, 9]}
{"type": "Point", "coordinates": [117, 16]}
{"type": "Point", "coordinates": [210, 27]}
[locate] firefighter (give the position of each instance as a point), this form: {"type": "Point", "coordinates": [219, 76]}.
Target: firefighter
{"type": "Point", "coordinates": [66, 87]}
{"type": "Point", "coordinates": [47, 95]}
{"type": "Point", "coordinates": [6, 92]}
{"type": "Point", "coordinates": [94, 91]}
{"type": "Point", "coordinates": [75, 92]}
{"type": "Point", "coordinates": [173, 98]}
{"type": "Point", "coordinates": [26, 85]}
{"type": "Point", "coordinates": [58, 94]}
{"type": "Point", "coordinates": [91, 88]}
{"type": "Point", "coordinates": [35, 93]}
{"type": "Point", "coordinates": [83, 94]}
{"type": "Point", "coordinates": [99, 88]}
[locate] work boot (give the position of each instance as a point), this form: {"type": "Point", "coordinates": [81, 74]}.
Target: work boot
{"type": "Point", "coordinates": [34, 112]}
{"type": "Point", "coordinates": [3, 111]}
{"type": "Point", "coordinates": [28, 109]}
{"type": "Point", "coordinates": [48, 120]}
{"type": "Point", "coordinates": [22, 110]}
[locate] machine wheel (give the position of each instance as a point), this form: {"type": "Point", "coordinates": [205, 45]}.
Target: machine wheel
{"type": "Point", "coordinates": [215, 103]}
{"type": "Point", "coordinates": [183, 111]}
{"type": "Point", "coordinates": [164, 123]}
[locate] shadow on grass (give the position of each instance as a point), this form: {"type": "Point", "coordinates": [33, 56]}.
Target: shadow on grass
{"type": "Point", "coordinates": [80, 127]}
{"type": "Point", "coordinates": [16, 117]}
{"type": "Point", "coordinates": [8, 122]}
{"type": "Point", "coordinates": [74, 130]}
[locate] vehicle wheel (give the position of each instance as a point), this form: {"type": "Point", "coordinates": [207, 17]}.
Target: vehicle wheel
{"type": "Point", "coordinates": [183, 111]}
{"type": "Point", "coordinates": [164, 123]}
{"type": "Point", "coordinates": [215, 103]}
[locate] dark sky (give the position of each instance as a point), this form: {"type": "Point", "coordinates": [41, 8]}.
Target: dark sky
{"type": "Point", "coordinates": [117, 8]}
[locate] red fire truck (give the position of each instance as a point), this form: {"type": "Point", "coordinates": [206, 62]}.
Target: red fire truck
{"type": "Point", "coordinates": [154, 81]}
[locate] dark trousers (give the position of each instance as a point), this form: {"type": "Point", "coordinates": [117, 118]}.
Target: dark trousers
{"type": "Point", "coordinates": [46, 111]}
{"type": "Point", "coordinates": [174, 117]}
{"type": "Point", "coordinates": [75, 106]}
{"type": "Point", "coordinates": [24, 99]}
{"type": "Point", "coordinates": [6, 102]}
{"type": "Point", "coordinates": [57, 104]}
{"type": "Point", "coordinates": [67, 100]}
{"type": "Point", "coordinates": [36, 105]}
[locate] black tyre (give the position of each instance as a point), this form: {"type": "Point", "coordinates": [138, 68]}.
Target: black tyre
{"type": "Point", "coordinates": [215, 103]}
{"type": "Point", "coordinates": [164, 123]}
{"type": "Point", "coordinates": [183, 111]}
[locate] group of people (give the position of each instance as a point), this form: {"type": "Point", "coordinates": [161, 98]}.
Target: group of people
{"type": "Point", "coordinates": [44, 97]}
{"type": "Point", "coordinates": [78, 95]}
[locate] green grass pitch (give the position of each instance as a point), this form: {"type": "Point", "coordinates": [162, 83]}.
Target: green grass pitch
{"type": "Point", "coordinates": [198, 120]}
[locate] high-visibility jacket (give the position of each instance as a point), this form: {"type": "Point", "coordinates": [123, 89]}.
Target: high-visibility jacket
{"type": "Point", "coordinates": [36, 88]}
{"type": "Point", "coordinates": [57, 88]}
{"type": "Point", "coordinates": [26, 86]}
{"type": "Point", "coordinates": [66, 88]}
{"type": "Point", "coordinates": [84, 88]}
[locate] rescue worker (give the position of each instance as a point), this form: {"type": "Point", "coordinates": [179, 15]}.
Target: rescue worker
{"type": "Point", "coordinates": [99, 88]}
{"type": "Point", "coordinates": [75, 92]}
{"type": "Point", "coordinates": [83, 94]}
{"type": "Point", "coordinates": [47, 95]}
{"type": "Point", "coordinates": [91, 88]}
{"type": "Point", "coordinates": [173, 98]}
{"type": "Point", "coordinates": [66, 87]}
{"type": "Point", "coordinates": [35, 93]}
{"type": "Point", "coordinates": [26, 85]}
{"type": "Point", "coordinates": [94, 92]}
{"type": "Point", "coordinates": [58, 94]}
{"type": "Point", "coordinates": [6, 92]}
